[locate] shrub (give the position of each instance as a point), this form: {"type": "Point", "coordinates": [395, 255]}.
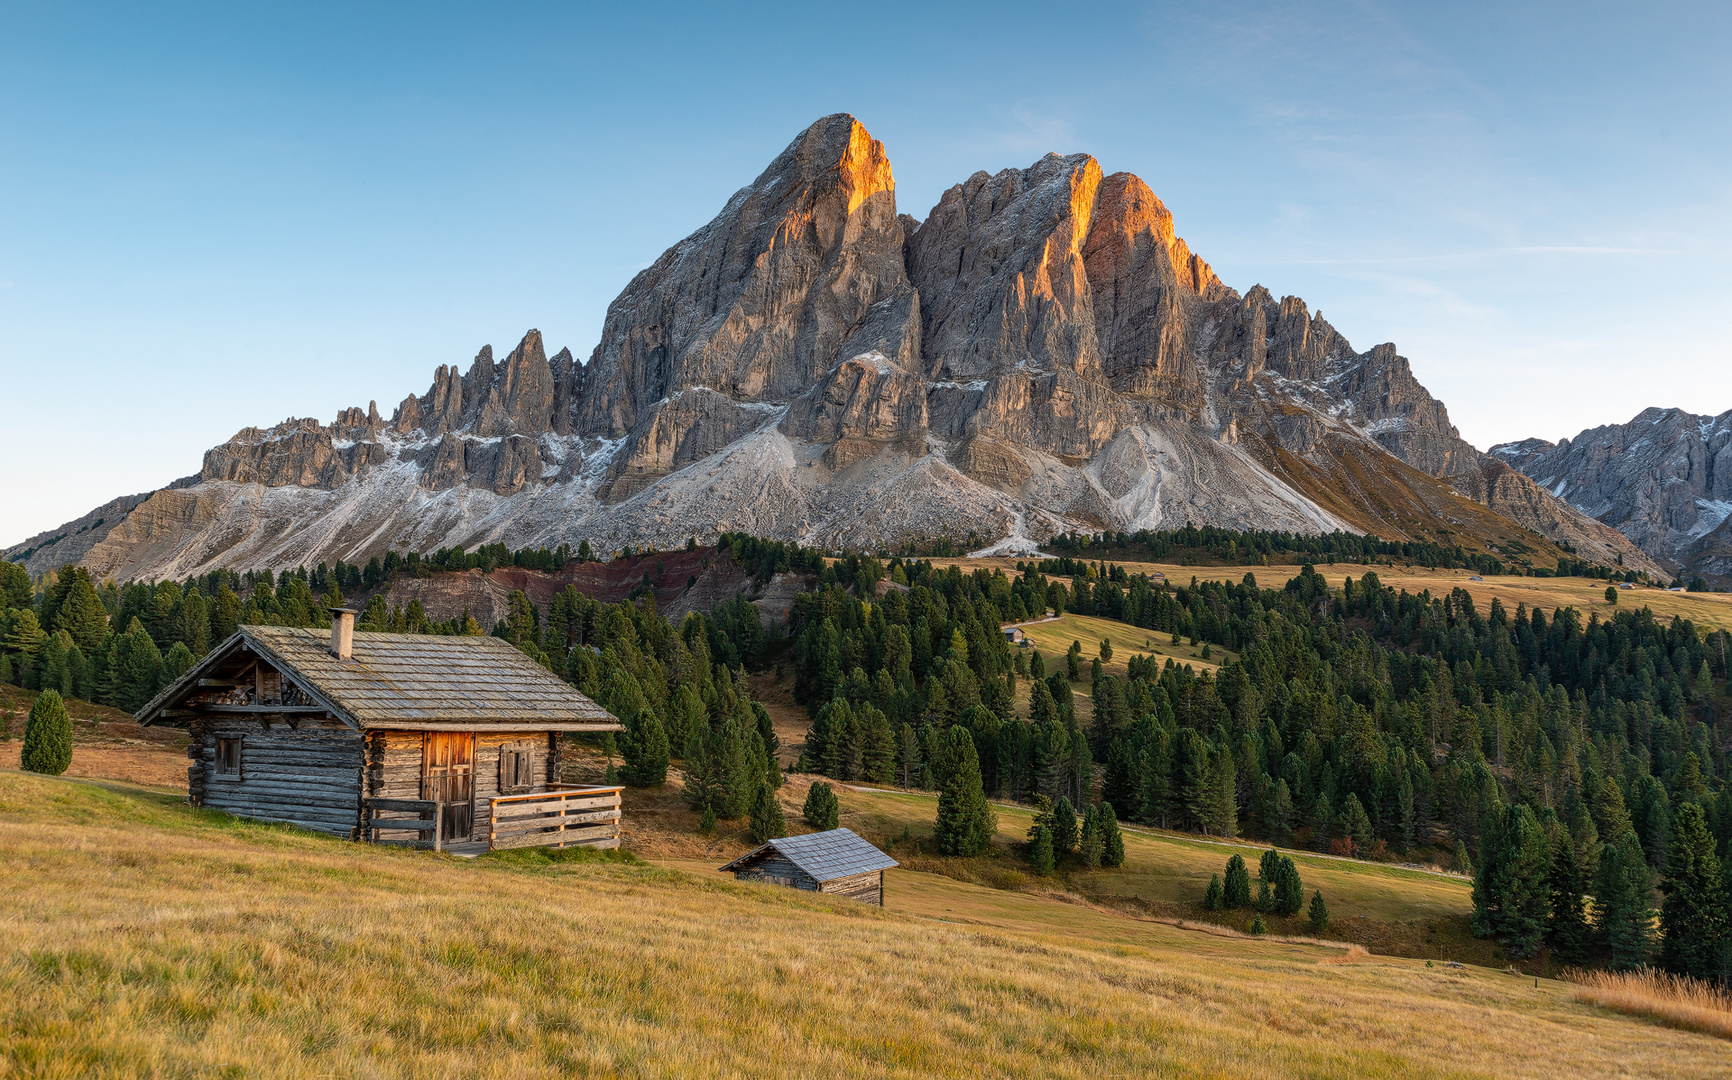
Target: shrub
{"type": "Point", "coordinates": [1257, 926]}
{"type": "Point", "coordinates": [47, 736]}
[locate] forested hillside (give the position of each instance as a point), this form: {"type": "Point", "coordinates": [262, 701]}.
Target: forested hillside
{"type": "Point", "coordinates": [1359, 721]}
{"type": "Point", "coordinates": [1577, 764]}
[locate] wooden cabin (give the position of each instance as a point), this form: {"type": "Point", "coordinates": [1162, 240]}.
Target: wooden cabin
{"type": "Point", "coordinates": [443, 742]}
{"type": "Point", "coordinates": [838, 862]}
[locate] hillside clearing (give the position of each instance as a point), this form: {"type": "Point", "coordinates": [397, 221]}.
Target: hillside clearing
{"type": "Point", "coordinates": [161, 940]}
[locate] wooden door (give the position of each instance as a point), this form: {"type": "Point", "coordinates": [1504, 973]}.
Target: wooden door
{"type": "Point", "coordinates": [448, 776]}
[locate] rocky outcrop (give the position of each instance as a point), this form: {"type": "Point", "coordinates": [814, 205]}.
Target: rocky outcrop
{"type": "Point", "coordinates": [1041, 353]}
{"type": "Point", "coordinates": [755, 304]}
{"type": "Point", "coordinates": [866, 397]}
{"type": "Point", "coordinates": [1143, 282]}
{"type": "Point", "coordinates": [1508, 492]}
{"type": "Point", "coordinates": [297, 453]}
{"type": "Point", "coordinates": [999, 268]}
{"type": "Point", "coordinates": [1664, 480]}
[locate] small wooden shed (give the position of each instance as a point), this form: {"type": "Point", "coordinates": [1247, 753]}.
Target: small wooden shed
{"type": "Point", "coordinates": [444, 742]}
{"type": "Point", "coordinates": [839, 862]}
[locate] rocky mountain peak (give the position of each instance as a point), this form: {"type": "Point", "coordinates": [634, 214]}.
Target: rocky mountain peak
{"type": "Point", "coordinates": [1042, 353]}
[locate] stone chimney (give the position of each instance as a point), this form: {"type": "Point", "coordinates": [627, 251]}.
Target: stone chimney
{"type": "Point", "coordinates": [342, 633]}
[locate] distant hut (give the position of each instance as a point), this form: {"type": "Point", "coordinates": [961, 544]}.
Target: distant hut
{"type": "Point", "coordinates": [447, 742]}
{"type": "Point", "coordinates": [838, 862]}
{"type": "Point", "coordinates": [1015, 636]}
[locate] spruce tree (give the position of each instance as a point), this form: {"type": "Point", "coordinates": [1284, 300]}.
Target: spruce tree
{"type": "Point", "coordinates": [80, 612]}
{"type": "Point", "coordinates": [1460, 863]}
{"type": "Point", "coordinates": [1257, 927]}
{"type": "Point", "coordinates": [1265, 900]}
{"type": "Point", "coordinates": [1112, 840]}
{"type": "Point", "coordinates": [1064, 830]}
{"type": "Point", "coordinates": [1214, 896]}
{"type": "Point", "coordinates": [966, 823]}
{"type": "Point", "coordinates": [1623, 903]}
{"type": "Point", "coordinates": [1694, 915]}
{"type": "Point", "coordinates": [1090, 845]}
{"type": "Point", "coordinates": [1511, 897]}
{"type": "Point", "coordinates": [768, 822]}
{"type": "Point", "coordinates": [1289, 890]}
{"type": "Point", "coordinates": [1040, 856]}
{"type": "Point", "coordinates": [1318, 916]}
{"type": "Point", "coordinates": [822, 810]}
{"type": "Point", "coordinates": [644, 745]}
{"type": "Point", "coordinates": [1356, 824]}
{"type": "Point", "coordinates": [47, 736]}
{"type": "Point", "coordinates": [1568, 932]}
{"type": "Point", "coordinates": [1236, 889]}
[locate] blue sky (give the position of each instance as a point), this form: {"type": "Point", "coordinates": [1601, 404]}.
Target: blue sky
{"type": "Point", "coordinates": [223, 216]}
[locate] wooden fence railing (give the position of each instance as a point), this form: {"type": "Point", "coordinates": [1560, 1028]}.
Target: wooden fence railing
{"type": "Point", "coordinates": [568, 815]}
{"type": "Point", "coordinates": [419, 816]}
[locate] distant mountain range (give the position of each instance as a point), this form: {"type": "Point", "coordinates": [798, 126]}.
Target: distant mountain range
{"type": "Point", "coordinates": [1041, 353]}
{"type": "Point", "coordinates": [1664, 480]}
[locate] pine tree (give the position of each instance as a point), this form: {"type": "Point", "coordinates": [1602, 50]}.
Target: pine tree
{"type": "Point", "coordinates": [80, 612]}
{"type": "Point", "coordinates": [1237, 885]}
{"type": "Point", "coordinates": [1511, 898]}
{"type": "Point", "coordinates": [768, 822]}
{"type": "Point", "coordinates": [1289, 890]}
{"type": "Point", "coordinates": [1265, 900]}
{"type": "Point", "coordinates": [135, 673]}
{"type": "Point", "coordinates": [644, 745]}
{"type": "Point", "coordinates": [1064, 830]}
{"type": "Point", "coordinates": [1623, 903]}
{"type": "Point", "coordinates": [1090, 845]}
{"type": "Point", "coordinates": [1281, 814]}
{"type": "Point", "coordinates": [1568, 932]}
{"type": "Point", "coordinates": [47, 736]}
{"type": "Point", "coordinates": [1694, 916]}
{"type": "Point", "coordinates": [1213, 897]}
{"type": "Point", "coordinates": [1220, 808]}
{"type": "Point", "coordinates": [178, 662]}
{"type": "Point", "coordinates": [823, 810]}
{"type": "Point", "coordinates": [1040, 856]}
{"type": "Point", "coordinates": [1257, 927]}
{"type": "Point", "coordinates": [966, 823]}
{"type": "Point", "coordinates": [1319, 913]}
{"type": "Point", "coordinates": [1356, 824]}
{"type": "Point", "coordinates": [877, 745]}
{"type": "Point", "coordinates": [1460, 863]}
{"type": "Point", "coordinates": [1113, 841]}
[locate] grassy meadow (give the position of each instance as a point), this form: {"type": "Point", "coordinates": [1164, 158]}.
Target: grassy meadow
{"type": "Point", "coordinates": [157, 940]}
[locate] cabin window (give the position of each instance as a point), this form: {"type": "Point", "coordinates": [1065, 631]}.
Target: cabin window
{"type": "Point", "coordinates": [516, 768]}
{"type": "Point", "coordinates": [228, 758]}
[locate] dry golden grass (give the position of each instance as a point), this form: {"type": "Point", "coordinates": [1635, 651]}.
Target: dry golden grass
{"type": "Point", "coordinates": [1671, 999]}
{"type": "Point", "coordinates": [149, 939]}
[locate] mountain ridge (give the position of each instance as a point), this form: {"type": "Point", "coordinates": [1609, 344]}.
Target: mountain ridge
{"type": "Point", "coordinates": [1664, 480]}
{"type": "Point", "coordinates": [1041, 353]}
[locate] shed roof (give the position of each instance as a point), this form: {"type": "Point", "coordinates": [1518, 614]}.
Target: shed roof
{"type": "Point", "coordinates": [826, 856]}
{"type": "Point", "coordinates": [406, 680]}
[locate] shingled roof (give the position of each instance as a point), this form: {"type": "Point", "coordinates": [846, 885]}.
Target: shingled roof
{"type": "Point", "coordinates": [407, 681]}
{"type": "Point", "coordinates": [826, 856]}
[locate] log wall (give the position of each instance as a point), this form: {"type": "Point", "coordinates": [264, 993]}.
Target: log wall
{"type": "Point", "coordinates": [776, 870]}
{"type": "Point", "coordinates": [394, 766]}
{"type": "Point", "coordinates": [308, 774]}
{"type": "Point", "coordinates": [868, 888]}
